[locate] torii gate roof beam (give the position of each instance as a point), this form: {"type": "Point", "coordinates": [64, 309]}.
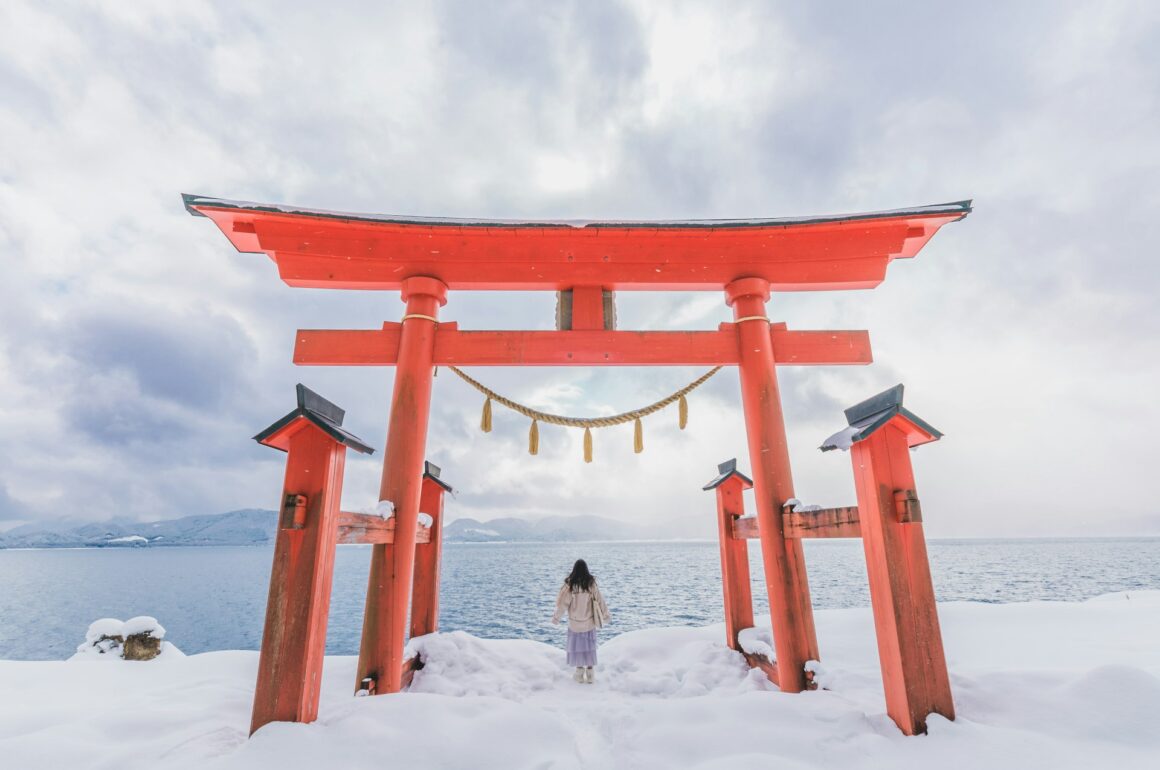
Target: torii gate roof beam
{"type": "Point", "coordinates": [321, 249]}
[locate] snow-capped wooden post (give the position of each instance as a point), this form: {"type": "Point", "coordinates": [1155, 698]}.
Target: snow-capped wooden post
{"type": "Point", "coordinates": [790, 610]}
{"type": "Point", "coordinates": [428, 556]}
{"type": "Point", "coordinates": [910, 649]}
{"type": "Point", "coordinates": [738, 595]}
{"type": "Point", "coordinates": [392, 565]}
{"type": "Point", "coordinates": [294, 638]}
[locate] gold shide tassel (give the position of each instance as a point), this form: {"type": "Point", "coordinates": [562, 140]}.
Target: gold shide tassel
{"type": "Point", "coordinates": [587, 445]}
{"type": "Point", "coordinates": [485, 420]}
{"type": "Point", "coordinates": [683, 412]}
{"type": "Point", "coordinates": [637, 436]}
{"type": "Point", "coordinates": [534, 438]}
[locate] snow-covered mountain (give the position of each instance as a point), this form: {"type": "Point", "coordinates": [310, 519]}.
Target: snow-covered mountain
{"type": "Point", "coordinates": [548, 529]}
{"type": "Point", "coordinates": [250, 526]}
{"type": "Point", "coordinates": [253, 526]}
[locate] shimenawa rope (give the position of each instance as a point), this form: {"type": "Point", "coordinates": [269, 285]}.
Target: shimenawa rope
{"type": "Point", "coordinates": [587, 423]}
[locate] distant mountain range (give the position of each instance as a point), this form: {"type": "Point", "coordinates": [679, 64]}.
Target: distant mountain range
{"type": "Point", "coordinates": [550, 529]}
{"type": "Point", "coordinates": [254, 526]}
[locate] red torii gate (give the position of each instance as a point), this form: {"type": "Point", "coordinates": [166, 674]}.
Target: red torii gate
{"type": "Point", "coordinates": [424, 258]}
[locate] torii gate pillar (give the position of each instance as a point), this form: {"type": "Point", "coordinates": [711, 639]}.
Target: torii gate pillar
{"type": "Point", "coordinates": [392, 565]}
{"type": "Point", "coordinates": [791, 614]}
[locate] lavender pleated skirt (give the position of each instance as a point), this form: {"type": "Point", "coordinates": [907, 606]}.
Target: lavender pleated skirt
{"type": "Point", "coordinates": [582, 648]}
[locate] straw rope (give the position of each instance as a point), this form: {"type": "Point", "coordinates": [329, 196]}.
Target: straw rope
{"type": "Point", "coordinates": [587, 423]}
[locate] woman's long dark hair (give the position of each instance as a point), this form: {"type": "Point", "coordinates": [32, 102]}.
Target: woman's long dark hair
{"type": "Point", "coordinates": [580, 578]}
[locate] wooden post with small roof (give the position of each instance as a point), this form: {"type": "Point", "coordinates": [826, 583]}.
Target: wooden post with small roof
{"type": "Point", "coordinates": [294, 637]}
{"type": "Point", "coordinates": [738, 594]}
{"type": "Point", "coordinates": [880, 435]}
{"type": "Point", "coordinates": [425, 598]}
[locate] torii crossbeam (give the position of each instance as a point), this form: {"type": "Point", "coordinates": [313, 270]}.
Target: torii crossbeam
{"type": "Point", "coordinates": [586, 261]}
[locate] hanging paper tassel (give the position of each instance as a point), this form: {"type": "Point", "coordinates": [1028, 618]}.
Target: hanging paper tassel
{"type": "Point", "coordinates": [485, 421]}
{"type": "Point", "coordinates": [637, 436]}
{"type": "Point", "coordinates": [587, 445]}
{"type": "Point", "coordinates": [534, 438]}
{"type": "Point", "coordinates": [683, 412]}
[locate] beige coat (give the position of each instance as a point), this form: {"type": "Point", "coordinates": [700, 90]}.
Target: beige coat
{"type": "Point", "coordinates": [586, 609]}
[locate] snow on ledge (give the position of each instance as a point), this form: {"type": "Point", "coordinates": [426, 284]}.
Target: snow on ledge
{"type": "Point", "coordinates": [757, 641]}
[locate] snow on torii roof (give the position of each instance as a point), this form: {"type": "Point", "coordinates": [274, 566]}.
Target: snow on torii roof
{"type": "Point", "coordinates": [866, 417]}
{"type": "Point", "coordinates": [329, 249]}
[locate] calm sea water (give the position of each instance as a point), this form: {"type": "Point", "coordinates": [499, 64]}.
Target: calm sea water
{"type": "Point", "coordinates": [214, 598]}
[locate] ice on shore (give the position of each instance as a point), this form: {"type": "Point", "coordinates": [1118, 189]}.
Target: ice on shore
{"type": "Point", "coordinates": [1045, 684]}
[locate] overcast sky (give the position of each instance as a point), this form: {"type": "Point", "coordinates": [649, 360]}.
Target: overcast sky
{"type": "Point", "coordinates": [139, 352]}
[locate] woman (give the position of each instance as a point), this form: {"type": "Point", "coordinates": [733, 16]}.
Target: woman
{"type": "Point", "coordinates": [581, 599]}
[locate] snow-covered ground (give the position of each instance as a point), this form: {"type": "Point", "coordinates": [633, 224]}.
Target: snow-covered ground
{"type": "Point", "coordinates": [1049, 685]}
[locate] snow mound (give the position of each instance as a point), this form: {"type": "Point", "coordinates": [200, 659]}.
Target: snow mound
{"type": "Point", "coordinates": [659, 662]}
{"type": "Point", "coordinates": [460, 664]}
{"type": "Point", "coordinates": [676, 663]}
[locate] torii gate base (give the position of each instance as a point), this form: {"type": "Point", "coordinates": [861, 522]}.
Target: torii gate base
{"type": "Point", "coordinates": [889, 521]}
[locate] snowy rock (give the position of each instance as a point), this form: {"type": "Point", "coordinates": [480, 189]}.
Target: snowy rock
{"type": "Point", "coordinates": [143, 636]}
{"type": "Point", "coordinates": [104, 637]}
{"type": "Point", "coordinates": [138, 638]}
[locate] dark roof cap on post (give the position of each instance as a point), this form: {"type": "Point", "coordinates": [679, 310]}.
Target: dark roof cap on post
{"type": "Point", "coordinates": [868, 416]}
{"type": "Point", "coordinates": [432, 471]}
{"type": "Point", "coordinates": [322, 414]}
{"type": "Point", "coordinates": [726, 471]}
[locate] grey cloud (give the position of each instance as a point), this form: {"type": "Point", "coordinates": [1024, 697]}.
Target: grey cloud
{"type": "Point", "coordinates": [188, 359]}
{"type": "Point", "coordinates": [121, 418]}
{"type": "Point", "coordinates": [524, 44]}
{"type": "Point", "coordinates": [9, 508]}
